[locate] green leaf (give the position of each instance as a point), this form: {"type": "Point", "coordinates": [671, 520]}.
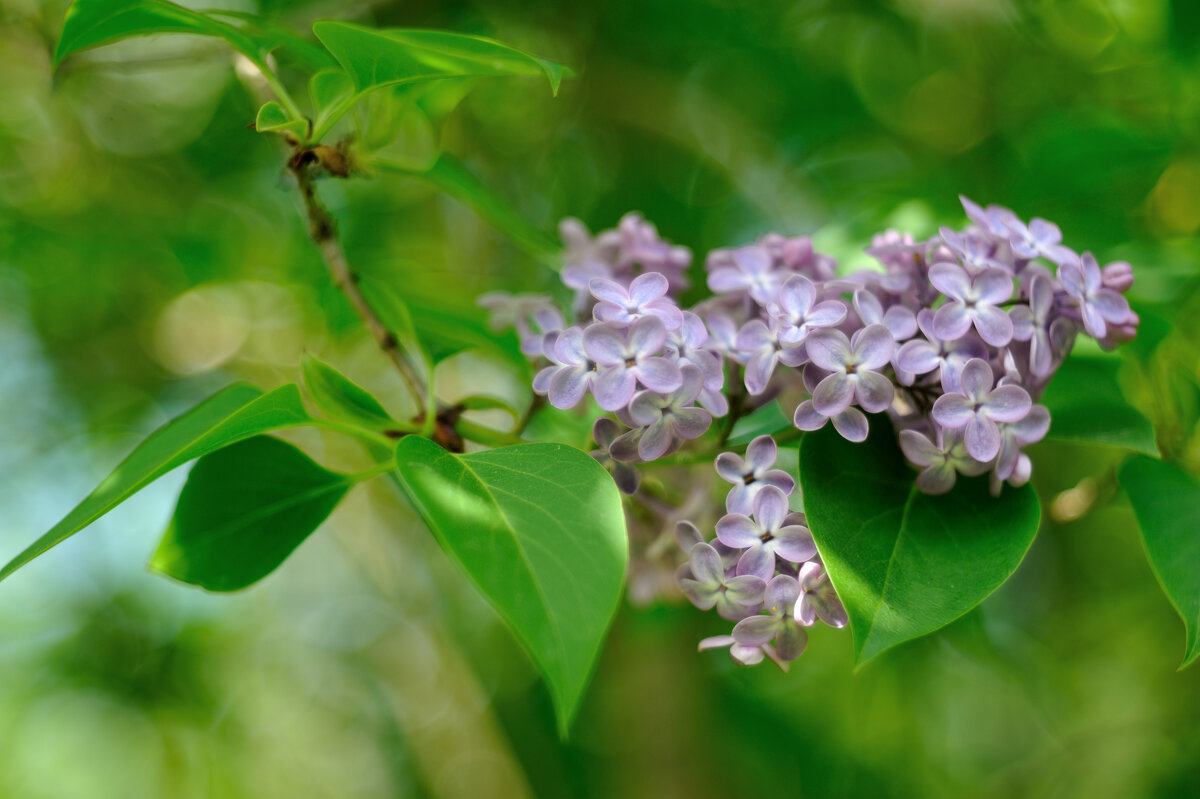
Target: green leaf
{"type": "Point", "coordinates": [376, 58]}
{"type": "Point", "coordinates": [905, 563]}
{"type": "Point", "coordinates": [90, 23]}
{"type": "Point", "coordinates": [483, 402]}
{"type": "Point", "coordinates": [237, 413]}
{"type": "Point", "coordinates": [1166, 500]}
{"type": "Point", "coordinates": [327, 89]}
{"type": "Point", "coordinates": [1086, 404]}
{"type": "Point", "coordinates": [767, 420]}
{"type": "Point", "coordinates": [456, 180]}
{"type": "Point", "coordinates": [243, 510]}
{"type": "Point", "coordinates": [540, 530]}
{"type": "Point", "coordinates": [341, 397]}
{"type": "Point", "coordinates": [272, 118]}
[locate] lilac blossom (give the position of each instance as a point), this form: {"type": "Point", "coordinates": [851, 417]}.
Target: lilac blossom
{"type": "Point", "coordinates": [979, 407]}
{"type": "Point", "coordinates": [818, 599]}
{"type": "Point", "coordinates": [852, 363]}
{"type": "Point", "coordinates": [900, 321]}
{"type": "Point", "coordinates": [1098, 306]}
{"type": "Point", "coordinates": [750, 270]}
{"type": "Point", "coordinates": [604, 432]}
{"type": "Point", "coordinates": [766, 349]}
{"type": "Point", "coordinates": [921, 356]}
{"type": "Point", "coordinates": [972, 301]}
{"type": "Point", "coordinates": [1032, 323]}
{"type": "Point", "coordinates": [851, 423]}
{"type": "Point", "coordinates": [687, 345]}
{"type": "Point", "coordinates": [628, 357]}
{"type": "Point", "coordinates": [942, 463]}
{"type": "Point", "coordinates": [751, 474]}
{"type": "Point", "coordinates": [773, 530]}
{"type": "Point", "coordinates": [669, 418]}
{"type": "Point", "coordinates": [798, 312]}
{"type": "Point", "coordinates": [780, 625]}
{"type": "Point", "coordinates": [645, 295]}
{"type": "Point", "coordinates": [741, 654]}
{"type": "Point", "coordinates": [1039, 239]}
{"type": "Point", "coordinates": [1028, 430]}
{"type": "Point", "coordinates": [571, 374]}
{"type": "Point", "coordinates": [734, 597]}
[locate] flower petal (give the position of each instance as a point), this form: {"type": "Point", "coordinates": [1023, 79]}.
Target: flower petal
{"type": "Point", "coordinates": [950, 279]}
{"type": "Point", "coordinates": [851, 425]}
{"type": "Point", "coordinates": [952, 321]}
{"type": "Point", "coordinates": [993, 286]}
{"type": "Point", "coordinates": [781, 594]}
{"type": "Point", "coordinates": [834, 394]}
{"type": "Point", "coordinates": [795, 543]}
{"type": "Point", "coordinates": [953, 410]}
{"type": "Point", "coordinates": [568, 385]}
{"type": "Point", "coordinates": [647, 287]}
{"type": "Point", "coordinates": [759, 369]}
{"type": "Point", "coordinates": [919, 449]}
{"type": "Point", "coordinates": [761, 454]}
{"type": "Point", "coordinates": [614, 387]}
{"type": "Point", "coordinates": [994, 325]}
{"type": "Point", "coordinates": [808, 418]}
{"type": "Point", "coordinates": [918, 357]}
{"type": "Point", "coordinates": [982, 438]}
{"type": "Point", "coordinates": [796, 296]}
{"type": "Point", "coordinates": [746, 589]}
{"type": "Point", "coordinates": [873, 346]}
{"type": "Point", "coordinates": [976, 379]}
{"type": "Point", "coordinates": [602, 343]}
{"type": "Point", "coordinates": [690, 423]}
{"type": "Point", "coordinates": [758, 560]}
{"type": "Point", "coordinates": [1007, 404]}
{"type": "Point", "coordinates": [658, 374]}
{"type": "Point", "coordinates": [828, 349]}
{"type": "Point", "coordinates": [731, 467]}
{"type": "Point", "coordinates": [874, 391]}
{"type": "Point", "coordinates": [755, 631]}
{"type": "Point", "coordinates": [738, 531]}
{"type": "Point", "coordinates": [647, 335]}
{"type": "Point", "coordinates": [706, 566]}
{"type": "Point", "coordinates": [656, 440]}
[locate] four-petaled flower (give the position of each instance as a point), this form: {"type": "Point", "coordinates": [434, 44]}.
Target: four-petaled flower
{"type": "Point", "coordinates": [1039, 238]}
{"type": "Point", "coordinates": [921, 356]}
{"type": "Point", "coordinates": [979, 407]}
{"type": "Point", "coordinates": [780, 602]}
{"type": "Point", "coordinates": [774, 530]}
{"type": "Point", "coordinates": [798, 311]}
{"type": "Point", "coordinates": [604, 432]}
{"type": "Point", "coordinates": [972, 301]}
{"type": "Point", "coordinates": [734, 597]}
{"type": "Point", "coordinates": [628, 357]}
{"type": "Point", "coordinates": [853, 363]}
{"type": "Point", "coordinates": [1098, 306]}
{"type": "Point", "coordinates": [941, 464]}
{"type": "Point", "coordinates": [818, 599]}
{"type": "Point", "coordinates": [571, 374]}
{"type": "Point", "coordinates": [668, 418]}
{"type": "Point", "coordinates": [752, 271]}
{"type": "Point", "coordinates": [646, 295]}
{"type": "Point", "coordinates": [750, 475]}
{"type": "Point", "coordinates": [766, 349]}
{"type": "Point", "coordinates": [1032, 323]}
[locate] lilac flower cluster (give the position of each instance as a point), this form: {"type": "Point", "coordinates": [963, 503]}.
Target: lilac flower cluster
{"type": "Point", "coordinates": [762, 569]}
{"type": "Point", "coordinates": [954, 338]}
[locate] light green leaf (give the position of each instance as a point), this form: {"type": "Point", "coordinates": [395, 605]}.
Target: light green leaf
{"type": "Point", "coordinates": [410, 141]}
{"type": "Point", "coordinates": [1086, 404]}
{"type": "Point", "coordinates": [341, 397]}
{"type": "Point", "coordinates": [906, 563]}
{"type": "Point", "coordinates": [90, 23]}
{"type": "Point", "coordinates": [483, 402]}
{"type": "Point", "coordinates": [272, 118]}
{"type": "Point", "coordinates": [376, 58]}
{"type": "Point", "coordinates": [767, 420]}
{"type": "Point", "coordinates": [237, 413]}
{"type": "Point", "coordinates": [540, 530]}
{"type": "Point", "coordinates": [456, 180]}
{"type": "Point", "coordinates": [1166, 500]}
{"type": "Point", "coordinates": [327, 89]}
{"type": "Point", "coordinates": [243, 510]}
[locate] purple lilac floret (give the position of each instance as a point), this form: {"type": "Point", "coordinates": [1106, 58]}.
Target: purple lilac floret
{"type": "Point", "coordinates": [954, 338]}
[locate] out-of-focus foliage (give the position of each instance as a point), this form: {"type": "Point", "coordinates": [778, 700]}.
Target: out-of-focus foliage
{"type": "Point", "coordinates": [151, 250]}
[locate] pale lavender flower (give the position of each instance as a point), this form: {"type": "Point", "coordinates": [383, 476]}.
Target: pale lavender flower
{"type": "Point", "coordinates": [750, 475]}
{"type": "Point", "coordinates": [1039, 238]}
{"type": "Point", "coordinates": [1032, 323]}
{"type": "Point", "coordinates": [1117, 276]}
{"type": "Point", "coordinates": [628, 357]}
{"type": "Point", "coordinates": [762, 343]}
{"type": "Point", "coordinates": [974, 252]}
{"type": "Point", "coordinates": [734, 597]}
{"type": "Point", "coordinates": [900, 321]}
{"type": "Point", "coordinates": [645, 295]}
{"type": "Point", "coordinates": [604, 432]}
{"type": "Point", "coordinates": [818, 599]}
{"type": "Point", "coordinates": [851, 423]}
{"type": "Point", "coordinates": [668, 418]}
{"type": "Point", "coordinates": [642, 246]}
{"type": "Point", "coordinates": [780, 600]}
{"type": "Point", "coordinates": [723, 333]}
{"type": "Point", "coordinates": [979, 407]}
{"type": "Point", "coordinates": [773, 530]}
{"type": "Point", "coordinates": [743, 655]}
{"type": "Point", "coordinates": [921, 356]}
{"type": "Point", "coordinates": [1098, 306]}
{"type": "Point", "coordinates": [940, 464]}
{"type": "Point", "coordinates": [687, 345]}
{"type": "Point", "coordinates": [992, 220]}
{"type": "Point", "coordinates": [571, 374]}
{"type": "Point", "coordinates": [798, 312]}
{"type": "Point", "coordinates": [972, 301]}
{"type": "Point", "coordinates": [751, 271]}
{"type": "Point", "coordinates": [852, 363]}
{"type": "Point", "coordinates": [1029, 430]}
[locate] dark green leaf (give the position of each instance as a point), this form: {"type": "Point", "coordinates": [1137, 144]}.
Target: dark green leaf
{"type": "Point", "coordinates": [540, 529]}
{"type": "Point", "coordinates": [1086, 404]}
{"type": "Point", "coordinates": [341, 397]}
{"type": "Point", "coordinates": [243, 510]}
{"type": "Point", "coordinates": [237, 413]}
{"type": "Point", "coordinates": [1167, 503]}
{"type": "Point", "coordinates": [905, 563]}
{"type": "Point", "coordinates": [376, 58]}
{"type": "Point", "coordinates": [767, 420]}
{"type": "Point", "coordinates": [95, 22]}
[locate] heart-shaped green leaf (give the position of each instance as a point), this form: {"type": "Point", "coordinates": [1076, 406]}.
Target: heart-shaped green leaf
{"type": "Point", "coordinates": [1166, 500]}
{"type": "Point", "coordinates": [243, 510]}
{"type": "Point", "coordinates": [541, 531]}
{"type": "Point", "coordinates": [906, 563]}
{"type": "Point", "coordinates": [1086, 404]}
{"type": "Point", "coordinates": [340, 396]}
{"type": "Point", "coordinates": [376, 58]}
{"type": "Point", "coordinates": [767, 420]}
{"type": "Point", "coordinates": [237, 413]}
{"type": "Point", "coordinates": [272, 118]}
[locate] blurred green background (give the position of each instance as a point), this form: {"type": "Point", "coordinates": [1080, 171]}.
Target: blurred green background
{"type": "Point", "coordinates": [152, 250]}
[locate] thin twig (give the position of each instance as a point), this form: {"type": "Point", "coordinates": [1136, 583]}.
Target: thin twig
{"type": "Point", "coordinates": [323, 231]}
